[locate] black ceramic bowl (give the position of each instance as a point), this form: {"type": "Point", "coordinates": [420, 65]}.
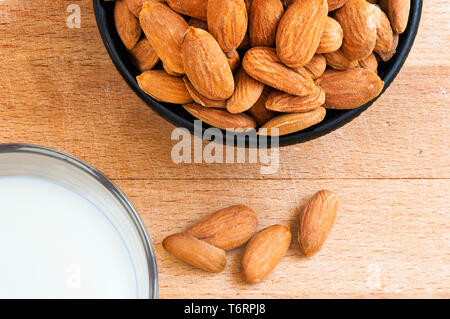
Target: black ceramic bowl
{"type": "Point", "coordinates": [179, 117]}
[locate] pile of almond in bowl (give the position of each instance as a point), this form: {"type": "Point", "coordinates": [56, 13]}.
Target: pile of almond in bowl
{"type": "Point", "coordinates": [261, 64]}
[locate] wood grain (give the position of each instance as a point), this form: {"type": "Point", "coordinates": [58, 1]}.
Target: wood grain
{"type": "Point", "coordinates": [390, 166]}
{"type": "Point", "coordinates": [390, 239]}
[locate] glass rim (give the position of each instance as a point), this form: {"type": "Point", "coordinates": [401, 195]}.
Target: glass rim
{"type": "Point", "coordinates": [112, 188]}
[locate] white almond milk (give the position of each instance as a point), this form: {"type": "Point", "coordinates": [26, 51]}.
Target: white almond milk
{"type": "Point", "coordinates": [56, 244]}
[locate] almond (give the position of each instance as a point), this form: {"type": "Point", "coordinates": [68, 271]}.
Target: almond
{"type": "Point", "coordinates": [221, 118]}
{"type": "Point", "coordinates": [227, 22]}
{"type": "Point", "coordinates": [292, 122]}
{"type": "Point", "coordinates": [398, 11]}
{"type": "Point", "coordinates": [287, 3]}
{"type": "Point", "coordinates": [386, 56]}
{"type": "Point", "coordinates": [135, 6]}
{"type": "Point", "coordinates": [144, 56]}
{"type": "Point", "coordinates": [164, 29]}
{"type": "Point", "coordinates": [248, 6]}
{"type": "Point", "coordinates": [300, 30]}
{"type": "Point", "coordinates": [385, 35]}
{"type": "Point", "coordinates": [370, 63]}
{"type": "Point", "coordinates": [316, 221]}
{"type": "Point", "coordinates": [263, 64]}
{"type": "Point", "coordinates": [246, 93]}
{"type": "Point", "coordinates": [171, 72]}
{"type": "Point", "coordinates": [264, 252]}
{"type": "Point", "coordinates": [164, 87]}
{"type": "Point", "coordinates": [197, 23]}
{"type": "Point", "coordinates": [233, 60]}
{"type": "Point", "coordinates": [316, 66]}
{"type": "Point", "coordinates": [332, 36]}
{"type": "Point", "coordinates": [206, 65]}
{"type": "Point", "coordinates": [228, 228]}
{"type": "Point", "coordinates": [127, 25]}
{"type": "Point", "coordinates": [284, 102]}
{"type": "Point", "coordinates": [195, 252]}
{"type": "Point", "coordinates": [200, 99]}
{"type": "Point", "coordinates": [258, 111]}
{"type": "Point", "coordinates": [335, 4]}
{"type": "Point", "coordinates": [337, 60]}
{"type": "Point", "coordinates": [265, 15]}
{"type": "Point", "coordinates": [245, 44]}
{"type": "Point", "coordinates": [192, 8]}
{"type": "Point", "coordinates": [359, 26]}
{"type": "Point", "coordinates": [350, 89]}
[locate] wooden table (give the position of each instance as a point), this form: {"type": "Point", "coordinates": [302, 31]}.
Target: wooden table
{"type": "Point", "coordinates": [390, 166]}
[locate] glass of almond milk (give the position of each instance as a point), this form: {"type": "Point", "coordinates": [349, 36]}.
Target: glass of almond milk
{"type": "Point", "coordinates": [66, 231]}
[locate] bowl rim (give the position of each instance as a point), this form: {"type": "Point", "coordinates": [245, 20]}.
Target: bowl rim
{"type": "Point", "coordinates": [112, 188]}
{"type": "Point", "coordinates": [316, 131]}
